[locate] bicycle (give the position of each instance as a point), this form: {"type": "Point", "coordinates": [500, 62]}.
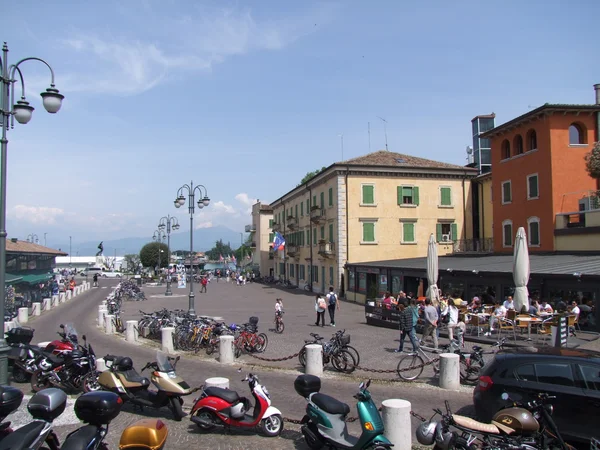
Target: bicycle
{"type": "Point", "coordinates": [279, 325]}
{"type": "Point", "coordinates": [341, 359]}
{"type": "Point", "coordinates": [415, 361]}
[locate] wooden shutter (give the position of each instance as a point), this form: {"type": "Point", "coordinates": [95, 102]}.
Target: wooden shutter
{"type": "Point", "coordinates": [330, 196]}
{"type": "Point", "coordinates": [302, 209]}
{"type": "Point", "coordinates": [454, 228]}
{"type": "Point", "coordinates": [314, 236]}
{"type": "Point", "coordinates": [322, 198]}
{"type": "Point", "coordinates": [331, 233]}
{"type": "Point", "coordinates": [367, 194]}
{"type": "Point", "coordinates": [415, 194]}
{"type": "Point", "coordinates": [322, 232]}
{"type": "Point", "coordinates": [296, 208]}
{"type": "Point", "coordinates": [399, 192]}
{"type": "Point", "coordinates": [271, 236]}
{"type": "Point", "coordinates": [368, 232]}
{"type": "Point", "coordinates": [408, 232]}
{"type": "Point", "coordinates": [446, 195]}
{"type": "Point", "coordinates": [270, 223]}
{"type": "Point", "coordinates": [438, 232]}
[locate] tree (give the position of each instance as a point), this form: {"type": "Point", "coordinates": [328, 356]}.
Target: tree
{"type": "Point", "coordinates": [219, 250]}
{"type": "Point", "coordinates": [149, 255]}
{"type": "Point", "coordinates": [132, 262]}
{"type": "Point", "coordinates": [592, 162]}
{"type": "Point", "coordinates": [309, 175]}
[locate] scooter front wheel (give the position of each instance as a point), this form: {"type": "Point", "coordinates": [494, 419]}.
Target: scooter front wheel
{"type": "Point", "coordinates": [272, 426]}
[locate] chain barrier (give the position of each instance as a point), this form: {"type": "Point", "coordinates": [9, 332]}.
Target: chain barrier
{"type": "Point", "coordinates": [295, 355]}
{"type": "Point", "coordinates": [298, 422]}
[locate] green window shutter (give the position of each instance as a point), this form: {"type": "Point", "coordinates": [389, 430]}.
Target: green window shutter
{"type": "Point", "coordinates": [314, 203]}
{"type": "Point", "coordinates": [446, 195]}
{"type": "Point", "coordinates": [331, 275]}
{"type": "Point", "coordinates": [296, 211]}
{"type": "Point", "coordinates": [271, 236]}
{"type": "Point", "coordinates": [314, 236]}
{"type": "Point", "coordinates": [438, 232]}
{"type": "Point", "coordinates": [322, 232]}
{"type": "Point", "coordinates": [307, 205]}
{"type": "Point", "coordinates": [368, 232]}
{"type": "Point", "coordinates": [308, 237]}
{"type": "Point", "coordinates": [367, 195]}
{"type": "Point", "coordinates": [454, 228]}
{"type": "Point", "coordinates": [415, 194]}
{"type": "Point", "coordinates": [270, 223]}
{"type": "Point", "coordinates": [322, 199]}
{"type": "Point", "coordinates": [331, 233]}
{"type": "Point", "coordinates": [302, 209]}
{"type": "Point", "coordinates": [409, 232]}
{"type": "Point", "coordinates": [330, 196]}
{"type": "Point", "coordinates": [399, 191]}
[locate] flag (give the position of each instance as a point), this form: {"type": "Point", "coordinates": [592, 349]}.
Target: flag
{"type": "Point", "coordinates": [278, 242]}
{"type": "Point", "coordinates": [221, 258]}
{"type": "Point", "coordinates": [249, 256]}
{"type": "Point", "coordinates": [233, 258]}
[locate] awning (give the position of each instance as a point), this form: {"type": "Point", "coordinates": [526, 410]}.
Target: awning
{"type": "Point", "coordinates": [11, 279]}
{"type": "Point", "coordinates": [34, 278]}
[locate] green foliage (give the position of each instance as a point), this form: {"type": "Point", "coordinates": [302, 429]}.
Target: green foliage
{"type": "Point", "coordinates": [309, 175]}
{"type": "Point", "coordinates": [132, 263]}
{"type": "Point", "coordinates": [592, 161]}
{"type": "Point", "coordinates": [218, 250]}
{"type": "Point", "coordinates": [149, 255]}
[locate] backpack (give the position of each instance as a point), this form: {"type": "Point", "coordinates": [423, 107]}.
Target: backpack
{"type": "Point", "coordinates": [332, 298]}
{"type": "Point", "coordinates": [321, 304]}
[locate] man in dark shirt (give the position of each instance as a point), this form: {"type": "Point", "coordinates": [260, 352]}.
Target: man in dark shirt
{"type": "Point", "coordinates": [406, 328]}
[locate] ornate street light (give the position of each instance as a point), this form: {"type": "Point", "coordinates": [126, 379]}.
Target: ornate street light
{"type": "Point", "coordinates": [9, 111]}
{"type": "Point", "coordinates": [202, 202]}
{"type": "Point", "coordinates": [33, 238]}
{"type": "Point", "coordinates": [159, 236]}
{"type": "Point", "coordinates": [167, 223]}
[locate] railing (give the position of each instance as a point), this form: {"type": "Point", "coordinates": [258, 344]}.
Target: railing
{"type": "Point", "coordinates": [326, 248]}
{"type": "Point", "coordinates": [252, 244]}
{"type": "Point", "coordinates": [276, 227]}
{"type": "Point", "coordinates": [250, 228]}
{"type": "Point", "coordinates": [292, 222]}
{"type": "Point", "coordinates": [317, 214]}
{"type": "Point", "coordinates": [291, 249]}
{"type": "Point", "coordinates": [473, 246]}
{"type": "Point", "coordinates": [271, 254]}
{"type": "Point", "coordinates": [580, 201]}
{"type": "Point", "coordinates": [583, 219]}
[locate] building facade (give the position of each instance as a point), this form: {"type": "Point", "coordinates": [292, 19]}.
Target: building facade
{"type": "Point", "coordinates": [260, 238]}
{"type": "Point", "coordinates": [383, 205]}
{"type": "Point", "coordinates": [539, 175]}
{"type": "Point", "coordinates": [483, 216]}
{"type": "Point", "coordinates": [482, 150]}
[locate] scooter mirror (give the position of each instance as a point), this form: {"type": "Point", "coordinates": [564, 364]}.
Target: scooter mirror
{"type": "Point", "coordinates": [84, 337]}
{"type": "Point", "coordinates": [361, 386]}
{"type": "Point", "coordinates": [368, 383]}
{"type": "Point", "coordinates": [504, 396]}
{"type": "Point", "coordinates": [61, 326]}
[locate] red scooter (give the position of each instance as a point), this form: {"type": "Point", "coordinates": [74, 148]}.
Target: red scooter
{"type": "Point", "coordinates": [222, 406]}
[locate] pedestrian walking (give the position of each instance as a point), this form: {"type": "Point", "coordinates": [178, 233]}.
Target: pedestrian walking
{"type": "Point", "coordinates": [320, 307]}
{"type": "Point", "coordinates": [95, 280]}
{"type": "Point", "coordinates": [332, 305]}
{"type": "Point", "coordinates": [406, 328]}
{"type": "Point", "coordinates": [204, 283]}
{"type": "Point", "coordinates": [431, 322]}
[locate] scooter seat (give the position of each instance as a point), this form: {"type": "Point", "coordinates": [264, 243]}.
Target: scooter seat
{"type": "Point", "coordinates": [330, 404]}
{"type": "Point", "coordinates": [225, 394]}
{"type": "Point", "coordinates": [133, 377]}
{"type": "Point", "coordinates": [80, 438]}
{"type": "Point", "coordinates": [23, 437]}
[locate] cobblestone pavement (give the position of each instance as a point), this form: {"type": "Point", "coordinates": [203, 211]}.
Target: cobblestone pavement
{"type": "Point", "coordinates": [236, 304]}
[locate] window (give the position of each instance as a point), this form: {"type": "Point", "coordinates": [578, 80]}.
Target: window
{"type": "Point", "coordinates": [506, 192]}
{"type": "Point", "coordinates": [314, 202]}
{"type": "Point", "coordinates": [507, 234]}
{"type": "Point", "coordinates": [559, 374]}
{"type": "Point", "coordinates": [505, 149]}
{"type": "Point", "coordinates": [322, 198]}
{"type": "Point", "coordinates": [296, 211]}
{"type": "Point", "coordinates": [445, 196]}
{"type": "Point", "coordinates": [533, 231]}
{"type": "Point", "coordinates": [577, 135]}
{"type": "Point", "coordinates": [331, 233]}
{"type": "Point", "coordinates": [322, 233]}
{"type": "Point", "coordinates": [518, 145]}
{"type": "Point", "coordinates": [446, 232]}
{"type": "Point", "coordinates": [291, 269]}
{"type": "Point", "coordinates": [368, 231]}
{"type": "Point", "coordinates": [330, 196]}
{"type": "Point", "coordinates": [408, 195]}
{"type": "Point", "coordinates": [301, 270]}
{"type": "Point", "coordinates": [408, 233]}
{"type": "Point", "coordinates": [315, 273]}
{"type": "Point", "coordinates": [591, 377]}
{"type": "Point", "coordinates": [270, 223]}
{"type": "Point", "coordinates": [351, 280]}
{"type": "Point", "coordinates": [307, 205]}
{"type": "Point", "coordinates": [368, 194]}
{"type": "Point", "coordinates": [308, 237]}
{"type": "Point", "coordinates": [282, 268]}
{"type": "Point", "coordinates": [531, 140]}
{"type": "Point", "coordinates": [526, 373]}
{"type": "Point", "coordinates": [314, 236]}
{"type": "Point", "coordinates": [331, 276]}
{"type": "Point", "coordinates": [302, 209]}
{"type": "Point", "coordinates": [533, 190]}
{"type": "Point", "coordinates": [271, 237]}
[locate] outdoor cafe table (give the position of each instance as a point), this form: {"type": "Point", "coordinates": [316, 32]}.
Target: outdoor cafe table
{"type": "Point", "coordinates": [529, 321]}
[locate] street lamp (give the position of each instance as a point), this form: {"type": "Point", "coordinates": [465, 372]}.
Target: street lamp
{"type": "Point", "coordinates": [45, 239]}
{"type": "Point", "coordinates": [202, 202]}
{"type": "Point", "coordinates": [33, 238]}
{"type": "Point", "coordinates": [167, 222]}
{"type": "Point", "coordinates": [159, 236]}
{"type": "Point", "coordinates": [22, 111]}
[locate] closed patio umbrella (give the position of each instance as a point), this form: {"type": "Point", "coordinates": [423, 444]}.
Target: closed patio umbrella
{"type": "Point", "coordinates": [432, 270]}
{"type": "Point", "coordinates": [521, 270]}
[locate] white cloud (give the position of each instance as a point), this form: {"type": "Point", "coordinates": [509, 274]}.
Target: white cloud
{"type": "Point", "coordinates": [242, 197]}
{"type": "Point", "coordinates": [220, 206]}
{"type": "Point", "coordinates": [37, 214]}
{"type": "Point", "coordinates": [207, 224]}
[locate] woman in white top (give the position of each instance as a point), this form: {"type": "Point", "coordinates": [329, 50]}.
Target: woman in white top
{"type": "Point", "coordinates": [452, 312]}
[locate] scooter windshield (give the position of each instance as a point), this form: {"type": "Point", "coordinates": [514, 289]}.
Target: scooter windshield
{"type": "Point", "coordinates": [164, 365]}
{"type": "Point", "coordinates": [71, 332]}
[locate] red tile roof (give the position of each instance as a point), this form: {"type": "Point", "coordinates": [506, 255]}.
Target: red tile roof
{"type": "Point", "coordinates": [16, 246]}
{"type": "Point", "coordinates": [391, 159]}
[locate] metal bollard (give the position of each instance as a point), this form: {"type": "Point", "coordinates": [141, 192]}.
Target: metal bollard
{"type": "Point", "coordinates": [23, 315]}
{"type": "Point", "coordinates": [226, 349]}
{"type": "Point", "coordinates": [131, 334]}
{"type": "Point", "coordinates": [36, 308]}
{"type": "Point", "coordinates": [167, 339]}
{"type": "Point", "coordinates": [101, 313]}
{"type": "Point", "coordinates": [449, 371]}
{"type": "Point", "coordinates": [47, 304]}
{"type": "Point", "coordinates": [314, 360]}
{"type": "Point", "coordinates": [217, 382]}
{"type": "Point", "coordinates": [54, 303]}
{"type": "Point", "coordinates": [396, 421]}
{"type": "Point", "coordinates": [109, 326]}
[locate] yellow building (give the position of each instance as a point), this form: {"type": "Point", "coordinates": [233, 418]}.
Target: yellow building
{"type": "Point", "coordinates": [260, 232]}
{"type": "Point", "coordinates": [483, 218]}
{"type": "Point", "coordinates": [380, 206]}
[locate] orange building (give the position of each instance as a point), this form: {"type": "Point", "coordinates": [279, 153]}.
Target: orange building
{"type": "Point", "coordinates": [539, 176]}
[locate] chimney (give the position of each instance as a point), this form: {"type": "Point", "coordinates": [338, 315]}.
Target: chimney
{"type": "Point", "coordinates": [14, 240]}
{"type": "Point", "coordinates": [597, 89]}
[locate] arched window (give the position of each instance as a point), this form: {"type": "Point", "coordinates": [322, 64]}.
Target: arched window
{"type": "Point", "coordinates": [577, 134]}
{"type": "Point", "coordinates": [531, 140]}
{"type": "Point", "coordinates": [505, 149]}
{"type": "Point", "coordinates": [518, 145]}
{"type": "Point", "coordinates": [507, 233]}
{"type": "Point", "coordinates": [533, 231]}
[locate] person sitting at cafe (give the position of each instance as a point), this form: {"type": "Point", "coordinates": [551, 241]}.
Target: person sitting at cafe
{"type": "Point", "coordinates": [387, 300]}
{"type": "Point", "coordinates": [509, 303]}
{"type": "Point", "coordinates": [402, 298]}
{"type": "Point", "coordinates": [533, 308]}
{"type": "Point", "coordinates": [475, 307]}
{"type": "Point", "coordinates": [499, 313]}
{"type": "Point", "coordinates": [561, 306]}
{"type": "Point", "coordinates": [545, 307]}
{"type": "Point", "coordinates": [575, 310]}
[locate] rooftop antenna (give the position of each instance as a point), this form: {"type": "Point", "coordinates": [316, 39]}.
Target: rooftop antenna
{"type": "Point", "coordinates": [341, 136]}
{"type": "Point", "coordinates": [385, 131]}
{"type": "Point", "coordinates": [369, 131]}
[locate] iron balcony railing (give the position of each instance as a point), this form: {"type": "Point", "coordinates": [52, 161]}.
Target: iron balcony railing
{"type": "Point", "coordinates": [326, 248]}
{"type": "Point", "coordinates": [317, 214]}
{"type": "Point", "coordinates": [292, 222]}
{"type": "Point", "coordinates": [473, 246]}
{"type": "Point", "coordinates": [276, 227]}
{"type": "Point", "coordinates": [291, 249]}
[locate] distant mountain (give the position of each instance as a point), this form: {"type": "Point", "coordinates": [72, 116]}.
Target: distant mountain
{"type": "Point", "coordinates": [204, 239]}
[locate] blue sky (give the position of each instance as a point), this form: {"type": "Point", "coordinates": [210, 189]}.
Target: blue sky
{"type": "Point", "coordinates": [246, 97]}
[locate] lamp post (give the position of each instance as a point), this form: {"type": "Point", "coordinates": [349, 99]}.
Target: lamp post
{"type": "Point", "coordinates": [22, 111]}
{"type": "Point", "coordinates": [45, 239]}
{"type": "Point", "coordinates": [33, 238]}
{"type": "Point", "coordinates": [202, 202]}
{"type": "Point", "coordinates": [166, 223]}
{"type": "Point", "coordinates": [70, 246]}
{"type": "Point", "coordinates": [159, 236]}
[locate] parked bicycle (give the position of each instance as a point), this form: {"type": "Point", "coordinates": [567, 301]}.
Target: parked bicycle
{"type": "Point", "coordinates": [335, 351]}
{"type": "Point", "coordinates": [248, 339]}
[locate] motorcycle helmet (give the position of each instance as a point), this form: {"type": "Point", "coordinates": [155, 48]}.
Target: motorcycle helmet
{"type": "Point", "coordinates": [426, 433]}
{"type": "Point", "coordinates": [125, 364]}
{"type": "Point", "coordinates": [145, 434]}
{"type": "Point", "coordinates": [45, 365]}
{"type": "Point", "coordinates": [233, 327]}
{"type": "Point", "coordinates": [443, 439]}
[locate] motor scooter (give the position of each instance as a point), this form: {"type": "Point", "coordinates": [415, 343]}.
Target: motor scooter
{"type": "Point", "coordinates": [325, 421]}
{"type": "Point", "coordinates": [223, 406]}
{"type": "Point", "coordinates": [10, 400]}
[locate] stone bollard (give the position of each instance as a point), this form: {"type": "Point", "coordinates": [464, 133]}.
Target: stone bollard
{"type": "Point", "coordinates": [449, 371]}
{"type": "Point", "coordinates": [47, 304]}
{"type": "Point", "coordinates": [109, 326]}
{"type": "Point", "coordinates": [23, 315]}
{"type": "Point", "coordinates": [104, 304]}
{"type": "Point", "coordinates": [226, 349]}
{"type": "Point", "coordinates": [61, 297]}
{"type": "Point", "coordinates": [102, 312]}
{"type": "Point", "coordinates": [54, 303]}
{"type": "Point", "coordinates": [217, 382]}
{"type": "Point", "coordinates": [396, 421]}
{"type": "Point", "coordinates": [69, 295]}
{"type": "Point", "coordinates": [101, 365]}
{"type": "Point", "coordinates": [75, 291]}
{"type": "Point", "coordinates": [314, 360]}
{"type": "Point", "coordinates": [131, 334]}
{"type": "Point", "coordinates": [167, 339]}
{"type": "Point", "coordinates": [9, 326]}
{"type": "Point", "coordinates": [36, 308]}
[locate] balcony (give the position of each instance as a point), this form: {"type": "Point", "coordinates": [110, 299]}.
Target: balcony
{"type": "Point", "coordinates": [292, 222]}
{"type": "Point", "coordinates": [577, 231]}
{"type": "Point", "coordinates": [473, 246]}
{"type": "Point", "coordinates": [292, 250]}
{"type": "Point", "coordinates": [250, 228]}
{"type": "Point", "coordinates": [276, 227]}
{"type": "Point", "coordinates": [252, 244]}
{"type": "Point", "coordinates": [271, 254]}
{"type": "Point", "coordinates": [326, 249]}
{"type": "Point", "coordinates": [317, 214]}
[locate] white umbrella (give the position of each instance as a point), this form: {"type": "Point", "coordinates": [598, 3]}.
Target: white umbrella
{"type": "Point", "coordinates": [521, 270]}
{"type": "Point", "coordinates": [432, 270]}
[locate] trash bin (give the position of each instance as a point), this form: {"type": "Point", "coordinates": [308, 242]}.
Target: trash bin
{"type": "Point", "coordinates": [138, 278]}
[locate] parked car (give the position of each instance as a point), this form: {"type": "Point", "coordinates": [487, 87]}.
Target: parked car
{"type": "Point", "coordinates": [111, 274]}
{"type": "Point", "coordinates": [573, 376]}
